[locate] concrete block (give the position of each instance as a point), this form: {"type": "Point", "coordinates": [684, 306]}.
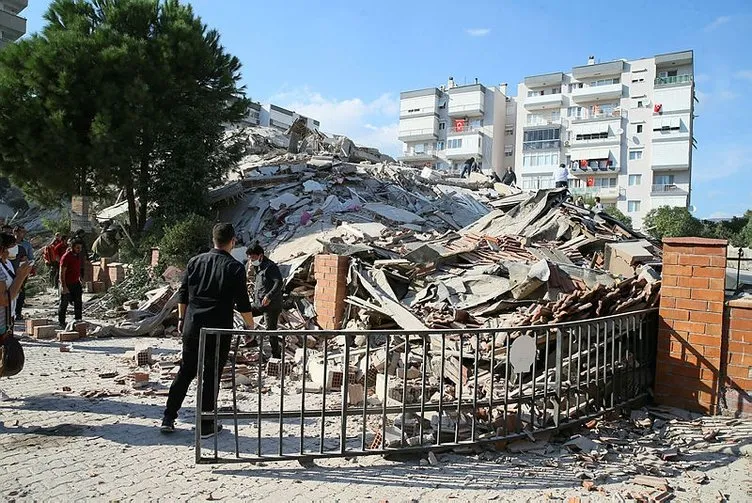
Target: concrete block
{"type": "Point", "coordinates": [64, 336]}
{"type": "Point", "coordinates": [38, 322]}
{"type": "Point", "coordinates": [45, 331]}
{"type": "Point", "coordinates": [81, 328]}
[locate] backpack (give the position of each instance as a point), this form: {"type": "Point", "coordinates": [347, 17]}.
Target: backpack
{"type": "Point", "coordinates": [11, 352]}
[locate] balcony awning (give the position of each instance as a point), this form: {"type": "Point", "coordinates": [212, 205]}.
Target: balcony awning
{"type": "Point", "coordinates": [593, 153]}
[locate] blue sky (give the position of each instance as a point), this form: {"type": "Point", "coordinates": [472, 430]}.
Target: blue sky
{"type": "Point", "coordinates": [344, 62]}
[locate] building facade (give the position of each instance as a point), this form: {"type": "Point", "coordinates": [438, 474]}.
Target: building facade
{"type": "Point", "coordinates": [12, 25]}
{"type": "Point", "coordinates": [276, 116]}
{"type": "Point", "coordinates": [442, 127]}
{"type": "Point", "coordinates": [623, 128]}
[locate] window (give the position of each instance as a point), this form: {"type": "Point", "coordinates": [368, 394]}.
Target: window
{"type": "Point", "coordinates": [639, 104]}
{"type": "Point", "coordinates": [575, 85]}
{"type": "Point", "coordinates": [663, 180]}
{"type": "Point", "coordinates": [530, 94]}
{"type": "Point", "coordinates": [604, 82]}
{"type": "Point", "coordinates": [665, 124]}
{"type": "Point", "coordinates": [541, 139]}
{"type": "Point", "coordinates": [540, 159]}
{"type": "Point", "coordinates": [537, 182]}
{"type": "Point", "coordinates": [639, 128]}
{"type": "Point", "coordinates": [442, 125]}
{"type": "Point", "coordinates": [509, 131]}
{"type": "Point", "coordinates": [556, 90]}
{"type": "Point", "coordinates": [413, 110]}
{"type": "Point", "coordinates": [635, 155]}
{"type": "Point", "coordinates": [419, 148]}
{"type": "Point", "coordinates": [555, 115]}
{"type": "Point", "coordinates": [508, 151]}
{"type": "Point", "coordinates": [635, 180]}
{"type": "Point", "coordinates": [454, 143]}
{"type": "Point", "coordinates": [575, 112]}
{"type": "Point", "coordinates": [633, 206]}
{"type": "Point", "coordinates": [592, 136]}
{"type": "Point", "coordinates": [440, 145]}
{"type": "Point", "coordinates": [635, 81]}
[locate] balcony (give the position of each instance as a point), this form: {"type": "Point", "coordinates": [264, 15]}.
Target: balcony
{"type": "Point", "coordinates": [596, 93]}
{"type": "Point", "coordinates": [550, 101]}
{"type": "Point", "coordinates": [676, 80]}
{"type": "Point", "coordinates": [13, 26]}
{"type": "Point", "coordinates": [429, 155]}
{"type": "Point", "coordinates": [599, 116]}
{"type": "Point", "coordinates": [472, 146]}
{"type": "Point", "coordinates": [418, 134]}
{"type": "Point", "coordinates": [466, 110]}
{"type": "Point", "coordinates": [529, 146]}
{"type": "Point", "coordinates": [605, 193]}
{"type": "Point", "coordinates": [537, 121]}
{"type": "Point", "coordinates": [671, 189]}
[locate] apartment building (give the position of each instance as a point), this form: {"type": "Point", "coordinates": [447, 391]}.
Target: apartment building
{"type": "Point", "coordinates": [12, 25]}
{"type": "Point", "coordinates": [623, 128]}
{"type": "Point", "coordinates": [276, 116]}
{"type": "Point", "coordinates": [442, 127]}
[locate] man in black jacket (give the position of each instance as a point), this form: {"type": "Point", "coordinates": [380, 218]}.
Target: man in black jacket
{"type": "Point", "coordinates": [267, 292]}
{"type": "Point", "coordinates": [213, 285]}
{"type": "Point", "coordinates": [510, 178]}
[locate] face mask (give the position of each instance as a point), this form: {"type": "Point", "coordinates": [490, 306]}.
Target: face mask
{"type": "Point", "coordinates": [256, 262]}
{"type": "Point", "coordinates": [12, 252]}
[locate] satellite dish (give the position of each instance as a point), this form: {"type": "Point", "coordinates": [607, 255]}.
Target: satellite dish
{"type": "Point", "coordinates": [619, 132]}
{"type": "Point", "coordinates": [691, 208]}
{"type": "Point", "coordinates": [647, 103]}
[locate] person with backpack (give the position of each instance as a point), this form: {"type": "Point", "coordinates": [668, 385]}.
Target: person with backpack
{"type": "Point", "coordinates": [11, 280]}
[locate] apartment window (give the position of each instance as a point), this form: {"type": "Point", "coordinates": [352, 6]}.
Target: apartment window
{"type": "Point", "coordinates": [635, 81]}
{"type": "Point", "coordinates": [635, 155]}
{"type": "Point", "coordinates": [509, 131]}
{"type": "Point", "coordinates": [508, 151]}
{"type": "Point", "coordinates": [530, 94]}
{"type": "Point", "coordinates": [413, 110]}
{"type": "Point", "coordinates": [540, 159]}
{"type": "Point", "coordinates": [440, 145]}
{"type": "Point", "coordinates": [537, 182]}
{"type": "Point", "coordinates": [575, 112]}
{"type": "Point", "coordinates": [556, 90]}
{"type": "Point", "coordinates": [555, 115]}
{"type": "Point", "coordinates": [476, 123]}
{"type": "Point", "coordinates": [635, 180]}
{"type": "Point", "coordinates": [442, 126]}
{"type": "Point", "coordinates": [605, 183]}
{"type": "Point", "coordinates": [592, 136]}
{"type": "Point", "coordinates": [663, 180]}
{"type": "Point", "coordinates": [639, 104]}
{"type": "Point", "coordinates": [575, 85]}
{"type": "Point", "coordinates": [454, 143]}
{"type": "Point", "coordinates": [604, 82]}
{"type": "Point", "coordinates": [419, 148]}
{"type": "Point", "coordinates": [541, 139]}
{"type": "Point", "coordinates": [667, 124]}
{"type": "Point", "coordinates": [633, 206]}
{"type": "Point", "coordinates": [639, 128]}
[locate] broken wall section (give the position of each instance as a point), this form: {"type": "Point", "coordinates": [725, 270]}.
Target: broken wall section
{"type": "Point", "coordinates": [330, 272]}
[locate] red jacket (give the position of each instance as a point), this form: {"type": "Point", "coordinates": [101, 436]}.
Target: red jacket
{"type": "Point", "coordinates": [59, 250]}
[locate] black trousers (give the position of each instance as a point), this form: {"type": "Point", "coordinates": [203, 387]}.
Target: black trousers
{"type": "Point", "coordinates": [189, 370]}
{"type": "Point", "coordinates": [271, 320]}
{"type": "Point", "coordinates": [75, 296]}
{"type": "Point", "coordinates": [20, 301]}
{"type": "Point", "coordinates": [54, 271]}
{"type": "Point", "coordinates": [562, 184]}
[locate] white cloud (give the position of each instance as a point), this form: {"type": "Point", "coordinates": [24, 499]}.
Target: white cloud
{"type": "Point", "coordinates": [478, 32]}
{"type": "Point", "coordinates": [719, 21]}
{"type": "Point", "coordinates": [369, 123]}
{"type": "Point", "coordinates": [720, 214]}
{"type": "Point", "coordinates": [744, 74]}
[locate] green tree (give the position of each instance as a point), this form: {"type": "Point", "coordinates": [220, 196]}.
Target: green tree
{"type": "Point", "coordinates": [614, 212]}
{"type": "Point", "coordinates": [668, 221]}
{"type": "Point", "coordinates": [745, 234]}
{"type": "Point", "coordinates": [133, 94]}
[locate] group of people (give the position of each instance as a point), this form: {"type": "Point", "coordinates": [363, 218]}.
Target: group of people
{"type": "Point", "coordinates": [16, 264]}
{"type": "Point", "coordinates": [214, 286]}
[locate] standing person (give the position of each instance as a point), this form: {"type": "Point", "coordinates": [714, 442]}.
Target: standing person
{"type": "Point", "coordinates": [510, 178]}
{"type": "Point", "coordinates": [60, 248]}
{"type": "Point", "coordinates": [267, 292]}
{"type": "Point", "coordinates": [598, 206]}
{"type": "Point", "coordinates": [71, 290]}
{"type": "Point", "coordinates": [81, 236]}
{"type": "Point", "coordinates": [469, 167]}
{"type": "Point", "coordinates": [561, 176]}
{"type": "Point", "coordinates": [213, 284]}
{"type": "Point", "coordinates": [28, 255]}
{"type": "Point", "coordinates": [12, 278]}
{"type": "Point", "coordinates": [49, 254]}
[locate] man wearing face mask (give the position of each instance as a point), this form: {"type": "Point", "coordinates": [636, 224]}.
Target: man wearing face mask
{"type": "Point", "coordinates": [267, 292]}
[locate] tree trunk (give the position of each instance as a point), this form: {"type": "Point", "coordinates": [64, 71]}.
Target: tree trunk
{"type": "Point", "coordinates": [143, 191]}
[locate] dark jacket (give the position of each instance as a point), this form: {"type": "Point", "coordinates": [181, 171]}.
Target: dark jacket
{"type": "Point", "coordinates": [213, 285]}
{"type": "Point", "coordinates": [268, 283]}
{"type": "Point", "coordinates": [509, 178]}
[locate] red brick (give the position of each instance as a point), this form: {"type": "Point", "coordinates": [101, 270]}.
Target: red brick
{"type": "Point", "coordinates": [715, 307]}
{"type": "Point", "coordinates": [703, 260]}
{"type": "Point", "coordinates": [718, 261]}
{"type": "Point", "coordinates": [711, 295]}
{"type": "Point", "coordinates": [675, 314]}
{"type": "Point", "coordinates": [691, 282]}
{"type": "Point", "coordinates": [708, 272]}
{"type": "Point", "coordinates": [673, 291]}
{"type": "Point", "coordinates": [670, 280]}
{"type": "Point", "coordinates": [717, 283]}
{"type": "Point", "coordinates": [689, 326]}
{"type": "Point", "coordinates": [669, 302]}
{"type": "Point", "coordinates": [715, 329]}
{"type": "Point", "coordinates": [692, 305]}
{"type": "Point", "coordinates": [706, 340]}
{"type": "Point", "coordinates": [695, 241]}
{"type": "Point", "coordinates": [670, 258]}
{"type": "Point", "coordinates": [739, 313]}
{"type": "Point", "coordinates": [740, 324]}
{"type": "Point", "coordinates": [705, 317]}
{"type": "Point", "coordinates": [713, 351]}
{"type": "Point", "coordinates": [677, 270]}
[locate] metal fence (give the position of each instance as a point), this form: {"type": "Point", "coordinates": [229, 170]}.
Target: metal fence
{"type": "Point", "coordinates": [377, 392]}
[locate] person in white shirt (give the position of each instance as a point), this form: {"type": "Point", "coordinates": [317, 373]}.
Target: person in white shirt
{"type": "Point", "coordinates": [561, 176]}
{"type": "Point", "coordinates": [598, 206]}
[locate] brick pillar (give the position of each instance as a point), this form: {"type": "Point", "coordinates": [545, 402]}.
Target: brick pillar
{"type": "Point", "coordinates": [691, 323]}
{"type": "Point", "coordinates": [738, 383]}
{"type": "Point", "coordinates": [331, 289]}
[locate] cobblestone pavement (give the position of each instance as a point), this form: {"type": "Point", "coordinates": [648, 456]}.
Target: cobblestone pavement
{"type": "Point", "coordinates": [56, 445]}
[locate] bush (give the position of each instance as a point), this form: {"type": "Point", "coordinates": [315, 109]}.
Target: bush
{"type": "Point", "coordinates": [61, 225]}
{"type": "Point", "coordinates": [614, 212]}
{"type": "Point", "coordinates": [184, 240]}
{"type": "Point", "coordinates": [672, 222]}
{"type": "Point", "coordinates": [139, 282]}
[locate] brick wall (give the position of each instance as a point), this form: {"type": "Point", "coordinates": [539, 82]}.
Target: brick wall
{"type": "Point", "coordinates": [737, 387]}
{"type": "Point", "coordinates": [691, 323]}
{"type": "Point", "coordinates": [330, 272]}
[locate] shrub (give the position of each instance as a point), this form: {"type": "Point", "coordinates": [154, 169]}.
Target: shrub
{"type": "Point", "coordinates": [185, 239]}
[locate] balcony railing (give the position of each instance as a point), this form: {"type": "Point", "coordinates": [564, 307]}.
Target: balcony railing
{"type": "Point", "coordinates": [669, 189]}
{"type": "Point", "coordinates": [406, 133]}
{"type": "Point", "coordinates": [602, 192]}
{"type": "Point", "coordinates": [453, 131]}
{"type": "Point", "coordinates": [672, 81]}
{"type": "Point", "coordinates": [471, 109]}
{"type": "Point", "coordinates": [425, 153]}
{"type": "Point", "coordinates": [533, 120]}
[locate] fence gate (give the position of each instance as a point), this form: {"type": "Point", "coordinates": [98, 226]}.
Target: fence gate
{"type": "Point", "coordinates": [377, 392]}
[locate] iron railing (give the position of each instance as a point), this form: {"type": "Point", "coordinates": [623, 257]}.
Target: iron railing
{"type": "Point", "coordinates": [379, 392]}
{"type": "Point", "coordinates": [740, 281]}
